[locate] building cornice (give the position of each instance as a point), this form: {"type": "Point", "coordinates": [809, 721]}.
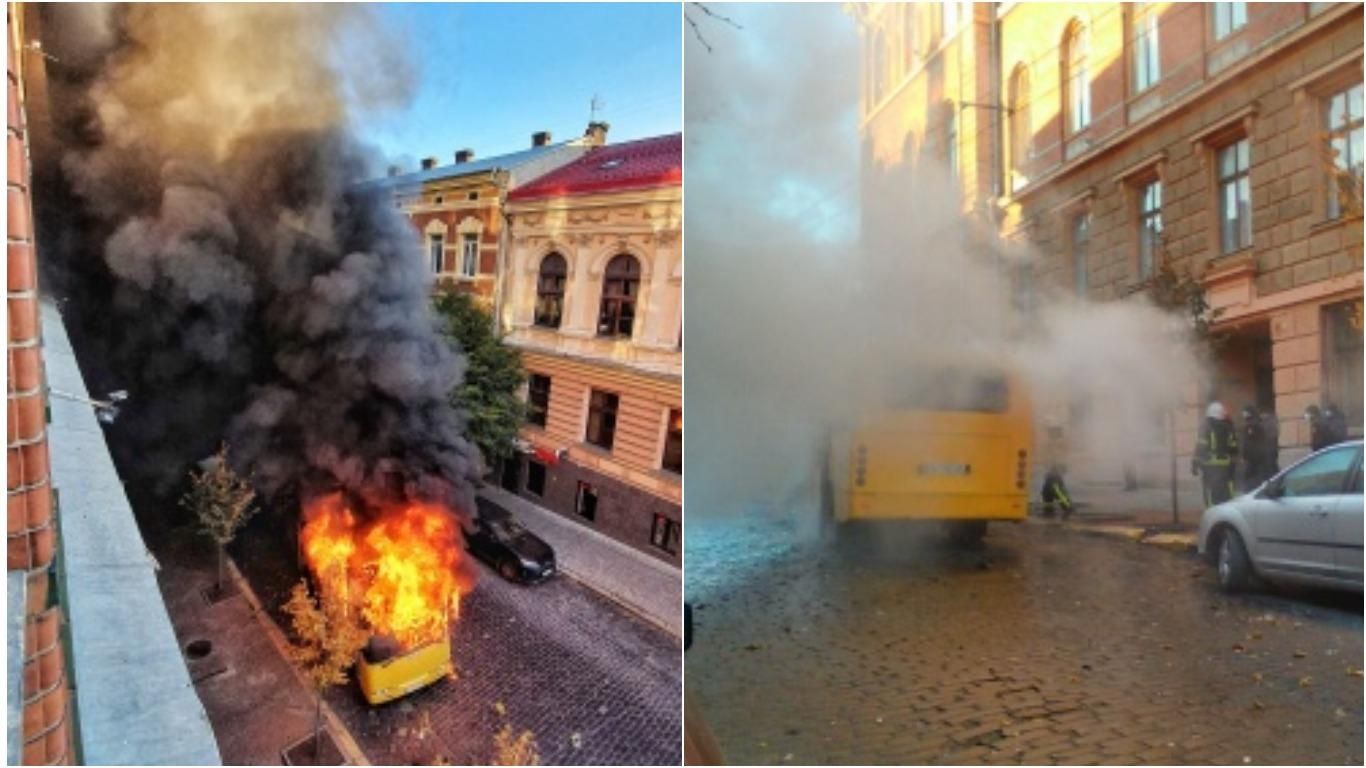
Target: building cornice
{"type": "Point", "coordinates": [671, 193]}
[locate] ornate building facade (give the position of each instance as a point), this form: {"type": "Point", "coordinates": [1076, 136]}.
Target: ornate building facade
{"type": "Point", "coordinates": [457, 209]}
{"type": "Point", "coordinates": [1221, 140]}
{"type": "Point", "coordinates": [594, 301]}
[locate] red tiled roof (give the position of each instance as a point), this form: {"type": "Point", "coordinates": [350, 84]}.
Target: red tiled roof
{"type": "Point", "coordinates": [656, 161]}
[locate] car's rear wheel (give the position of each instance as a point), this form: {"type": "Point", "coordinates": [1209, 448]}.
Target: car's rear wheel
{"type": "Point", "coordinates": [1234, 568]}
{"type": "Point", "coordinates": [509, 570]}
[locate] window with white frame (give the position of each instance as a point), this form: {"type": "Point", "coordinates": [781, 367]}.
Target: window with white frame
{"type": "Point", "coordinates": [435, 250]}
{"type": "Point", "coordinates": [469, 255]}
{"type": "Point", "coordinates": [1228, 18]}
{"type": "Point", "coordinates": [1147, 70]}
{"type": "Point", "coordinates": [1343, 119]}
{"type": "Point", "coordinates": [1078, 79]}
{"type": "Point", "coordinates": [1235, 197]}
{"type": "Point", "coordinates": [1149, 227]}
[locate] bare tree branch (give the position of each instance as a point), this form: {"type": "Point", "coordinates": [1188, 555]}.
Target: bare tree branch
{"type": "Point", "coordinates": [703, 8]}
{"type": "Point", "coordinates": [697, 30]}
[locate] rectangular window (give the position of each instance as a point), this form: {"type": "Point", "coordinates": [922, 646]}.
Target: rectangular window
{"type": "Point", "coordinates": [435, 249]}
{"type": "Point", "coordinates": [469, 255]}
{"type": "Point", "coordinates": [673, 442]}
{"type": "Point", "coordinates": [1343, 119]}
{"type": "Point", "coordinates": [586, 502]}
{"type": "Point", "coordinates": [1342, 379]}
{"type": "Point", "coordinates": [1228, 18]}
{"type": "Point", "coordinates": [1149, 227]}
{"type": "Point", "coordinates": [1235, 197]}
{"type": "Point", "coordinates": [664, 534]}
{"type": "Point", "coordinates": [535, 478]}
{"type": "Point", "coordinates": [602, 419]}
{"type": "Point", "coordinates": [537, 399]}
{"type": "Point", "coordinates": [1081, 236]}
{"type": "Point", "coordinates": [1147, 70]}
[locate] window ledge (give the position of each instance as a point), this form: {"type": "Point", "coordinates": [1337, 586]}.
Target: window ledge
{"type": "Point", "coordinates": [595, 450]}
{"type": "Point", "coordinates": [1327, 224]}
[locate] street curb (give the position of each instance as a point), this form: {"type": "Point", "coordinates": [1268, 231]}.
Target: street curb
{"type": "Point", "coordinates": [348, 746]}
{"type": "Point", "coordinates": [1174, 541]}
{"type": "Point", "coordinates": [628, 606]}
{"type": "Point", "coordinates": [1177, 542]}
{"type": "Point", "coordinates": [672, 625]}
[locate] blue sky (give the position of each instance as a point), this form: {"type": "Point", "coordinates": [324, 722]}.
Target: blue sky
{"type": "Point", "coordinates": [489, 75]}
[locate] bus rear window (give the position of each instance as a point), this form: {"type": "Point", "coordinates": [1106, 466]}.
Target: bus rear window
{"type": "Point", "coordinates": [952, 391]}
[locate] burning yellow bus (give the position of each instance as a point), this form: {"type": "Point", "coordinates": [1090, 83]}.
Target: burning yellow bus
{"type": "Point", "coordinates": [951, 446]}
{"type": "Point", "coordinates": [400, 565]}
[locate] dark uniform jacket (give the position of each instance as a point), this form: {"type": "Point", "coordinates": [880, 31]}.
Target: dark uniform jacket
{"type": "Point", "coordinates": [1217, 444]}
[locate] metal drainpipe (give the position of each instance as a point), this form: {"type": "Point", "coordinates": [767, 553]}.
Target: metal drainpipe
{"type": "Point", "coordinates": [500, 267]}
{"type": "Point", "coordinates": [997, 173]}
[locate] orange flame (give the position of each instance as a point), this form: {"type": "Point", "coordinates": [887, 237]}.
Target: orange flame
{"type": "Point", "coordinates": [401, 568]}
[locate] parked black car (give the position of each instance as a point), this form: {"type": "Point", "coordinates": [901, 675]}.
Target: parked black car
{"type": "Point", "coordinates": [499, 540]}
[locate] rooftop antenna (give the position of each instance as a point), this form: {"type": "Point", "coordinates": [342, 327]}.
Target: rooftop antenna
{"type": "Point", "coordinates": [594, 104]}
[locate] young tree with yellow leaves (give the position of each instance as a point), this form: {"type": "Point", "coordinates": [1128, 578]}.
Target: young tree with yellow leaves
{"type": "Point", "coordinates": [222, 500]}
{"type": "Point", "coordinates": [328, 635]}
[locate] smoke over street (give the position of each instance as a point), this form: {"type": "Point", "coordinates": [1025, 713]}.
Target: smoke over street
{"type": "Point", "coordinates": [822, 281]}
{"type": "Point", "coordinates": [205, 232]}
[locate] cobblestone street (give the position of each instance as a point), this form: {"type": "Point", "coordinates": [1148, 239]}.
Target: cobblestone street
{"type": "Point", "coordinates": [1045, 646]}
{"type": "Point", "coordinates": [592, 682]}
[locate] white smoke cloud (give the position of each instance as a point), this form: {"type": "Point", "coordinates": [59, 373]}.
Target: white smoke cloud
{"type": "Point", "coordinates": [799, 317]}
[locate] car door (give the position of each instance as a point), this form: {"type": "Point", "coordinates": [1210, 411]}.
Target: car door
{"type": "Point", "coordinates": [1347, 525]}
{"type": "Point", "coordinates": [1292, 519]}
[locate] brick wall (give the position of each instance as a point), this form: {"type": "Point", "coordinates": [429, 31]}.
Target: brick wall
{"type": "Point", "coordinates": [31, 533]}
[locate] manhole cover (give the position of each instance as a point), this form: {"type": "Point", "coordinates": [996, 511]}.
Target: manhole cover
{"type": "Point", "coordinates": [198, 649]}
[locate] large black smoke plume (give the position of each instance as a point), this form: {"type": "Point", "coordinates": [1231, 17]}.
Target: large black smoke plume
{"type": "Point", "coordinates": [206, 232]}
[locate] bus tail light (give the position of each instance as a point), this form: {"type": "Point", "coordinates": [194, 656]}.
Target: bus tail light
{"type": "Point", "coordinates": [861, 465]}
{"type": "Point", "coordinates": [1022, 460]}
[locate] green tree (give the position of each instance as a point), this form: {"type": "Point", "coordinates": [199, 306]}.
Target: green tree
{"type": "Point", "coordinates": [327, 637]}
{"type": "Point", "coordinates": [493, 376]}
{"type": "Point", "coordinates": [221, 500]}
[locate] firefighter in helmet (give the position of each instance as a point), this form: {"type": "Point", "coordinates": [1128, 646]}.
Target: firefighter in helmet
{"type": "Point", "coordinates": [1216, 449]}
{"type": "Point", "coordinates": [1259, 450]}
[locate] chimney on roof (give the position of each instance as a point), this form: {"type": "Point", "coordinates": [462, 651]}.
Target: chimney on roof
{"type": "Point", "coordinates": [428, 163]}
{"type": "Point", "coordinates": [540, 138]}
{"type": "Point", "coordinates": [596, 133]}
{"type": "Point", "coordinates": [464, 156]}
{"type": "Point", "coordinates": [394, 170]}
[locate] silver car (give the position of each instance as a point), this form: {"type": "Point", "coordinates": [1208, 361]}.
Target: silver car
{"type": "Point", "coordinates": [1303, 525]}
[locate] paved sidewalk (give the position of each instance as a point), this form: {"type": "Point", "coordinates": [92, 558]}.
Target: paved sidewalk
{"type": "Point", "coordinates": [257, 703]}
{"type": "Point", "coordinates": [646, 586]}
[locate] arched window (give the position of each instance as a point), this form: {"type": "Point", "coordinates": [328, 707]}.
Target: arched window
{"type": "Point", "coordinates": [1021, 131]}
{"type": "Point", "coordinates": [550, 291]}
{"type": "Point", "coordinates": [620, 288]}
{"type": "Point", "coordinates": [1076, 78]}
